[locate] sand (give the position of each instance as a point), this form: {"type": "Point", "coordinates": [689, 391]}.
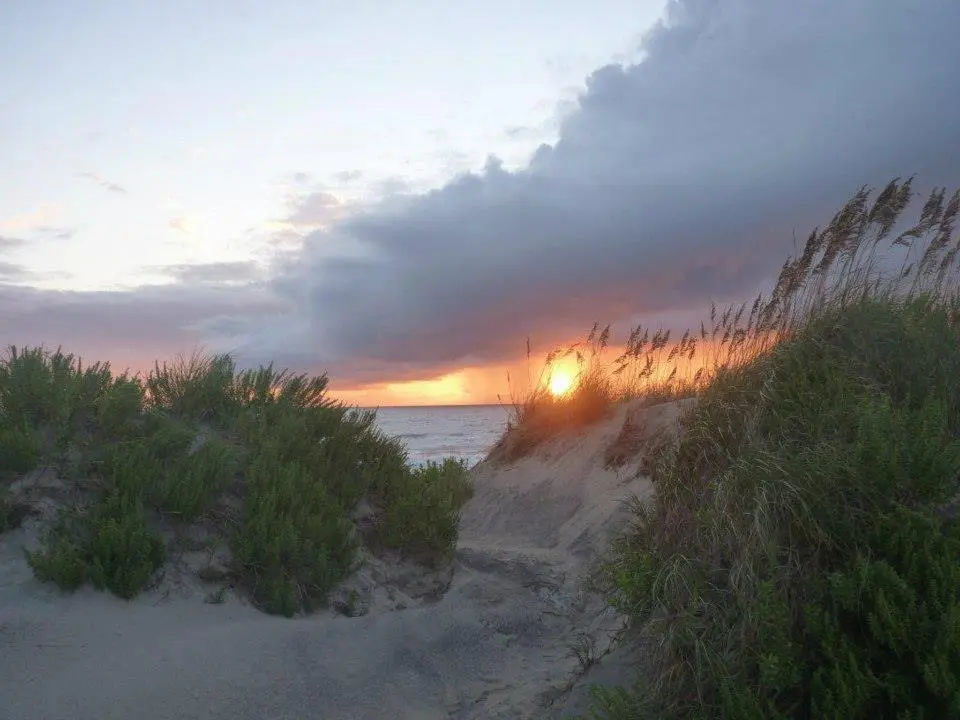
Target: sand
{"type": "Point", "coordinates": [497, 644]}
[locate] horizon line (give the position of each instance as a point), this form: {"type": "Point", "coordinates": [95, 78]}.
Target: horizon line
{"type": "Point", "coordinates": [432, 406]}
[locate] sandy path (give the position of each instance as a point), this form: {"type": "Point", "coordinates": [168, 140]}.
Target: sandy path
{"type": "Point", "coordinates": [496, 645]}
{"type": "Point", "coordinates": [100, 659]}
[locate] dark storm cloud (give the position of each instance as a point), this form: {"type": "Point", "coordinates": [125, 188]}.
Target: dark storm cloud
{"type": "Point", "coordinates": [674, 180]}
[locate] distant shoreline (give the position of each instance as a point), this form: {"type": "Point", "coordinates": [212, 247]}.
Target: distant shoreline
{"type": "Point", "coordinates": [431, 407]}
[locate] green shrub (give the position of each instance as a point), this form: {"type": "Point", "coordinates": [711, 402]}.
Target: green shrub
{"type": "Point", "coordinates": [294, 543]}
{"type": "Point", "coordinates": [614, 702]}
{"type": "Point", "coordinates": [422, 509]}
{"type": "Point", "coordinates": [191, 486]}
{"type": "Point", "coordinates": [110, 546]}
{"type": "Point", "coordinates": [889, 631]}
{"type": "Point", "coordinates": [37, 387]}
{"type": "Point", "coordinates": [123, 552]}
{"type": "Point", "coordinates": [197, 430]}
{"type": "Point", "coordinates": [342, 446]}
{"type": "Point", "coordinates": [19, 449]}
{"type": "Point", "coordinates": [169, 477]}
{"type": "Point", "coordinates": [6, 512]}
{"type": "Point", "coordinates": [51, 390]}
{"type": "Point", "coordinates": [166, 437]}
{"type": "Point", "coordinates": [63, 559]}
{"type": "Point", "coordinates": [120, 407]}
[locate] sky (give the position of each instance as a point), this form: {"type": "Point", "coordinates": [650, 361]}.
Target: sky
{"type": "Point", "coordinates": [402, 193]}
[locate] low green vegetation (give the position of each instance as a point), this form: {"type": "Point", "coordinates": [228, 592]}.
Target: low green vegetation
{"type": "Point", "coordinates": [802, 556]}
{"type": "Point", "coordinates": [264, 459]}
{"type": "Point", "coordinates": [422, 509]}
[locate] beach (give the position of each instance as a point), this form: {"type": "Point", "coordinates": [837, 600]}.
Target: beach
{"type": "Point", "coordinates": [493, 636]}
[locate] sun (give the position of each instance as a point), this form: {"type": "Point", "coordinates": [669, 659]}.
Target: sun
{"type": "Point", "coordinates": [560, 381]}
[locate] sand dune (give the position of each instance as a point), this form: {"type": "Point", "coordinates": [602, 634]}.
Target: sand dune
{"type": "Point", "coordinates": [496, 644]}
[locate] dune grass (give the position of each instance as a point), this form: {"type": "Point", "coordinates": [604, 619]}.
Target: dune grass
{"type": "Point", "coordinates": [537, 414]}
{"type": "Point", "coordinates": [801, 558]}
{"type": "Point", "coordinates": [839, 263]}
{"type": "Point", "coordinates": [264, 459]}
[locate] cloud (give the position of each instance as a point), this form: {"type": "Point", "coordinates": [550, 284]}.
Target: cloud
{"type": "Point", "coordinates": [217, 273]}
{"type": "Point", "coordinates": [183, 224]}
{"type": "Point", "coordinates": [675, 180]}
{"type": "Point", "coordinates": [103, 182]}
{"type": "Point", "coordinates": [316, 209]}
{"type": "Point", "coordinates": [348, 176]}
{"type": "Point", "coordinates": [308, 211]}
{"type": "Point", "coordinates": [12, 272]}
{"type": "Point", "coordinates": [39, 219]}
{"type": "Point", "coordinates": [17, 275]}
{"type": "Point", "coordinates": [8, 243]}
{"type": "Point", "coordinates": [525, 132]}
{"type": "Point", "coordinates": [56, 233]}
{"type": "Point", "coordinates": [439, 135]}
{"type": "Point", "coordinates": [131, 328]}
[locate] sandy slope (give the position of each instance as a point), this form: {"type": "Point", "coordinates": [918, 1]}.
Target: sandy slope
{"type": "Point", "coordinates": [496, 644]}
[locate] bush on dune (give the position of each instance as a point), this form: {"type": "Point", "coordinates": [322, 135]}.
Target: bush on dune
{"type": "Point", "coordinates": [802, 558]}
{"type": "Point", "coordinates": [294, 543]}
{"type": "Point", "coordinates": [54, 397]}
{"type": "Point", "coordinates": [108, 545]}
{"type": "Point", "coordinates": [422, 509]}
{"type": "Point", "coordinates": [264, 457]}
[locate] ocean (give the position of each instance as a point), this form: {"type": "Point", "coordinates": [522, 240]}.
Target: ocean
{"type": "Point", "coordinates": [433, 433]}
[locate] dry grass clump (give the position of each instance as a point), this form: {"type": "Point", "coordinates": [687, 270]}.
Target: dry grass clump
{"type": "Point", "coordinates": [796, 561]}
{"type": "Point", "coordinates": [264, 459]}
{"type": "Point", "coordinates": [541, 414]}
